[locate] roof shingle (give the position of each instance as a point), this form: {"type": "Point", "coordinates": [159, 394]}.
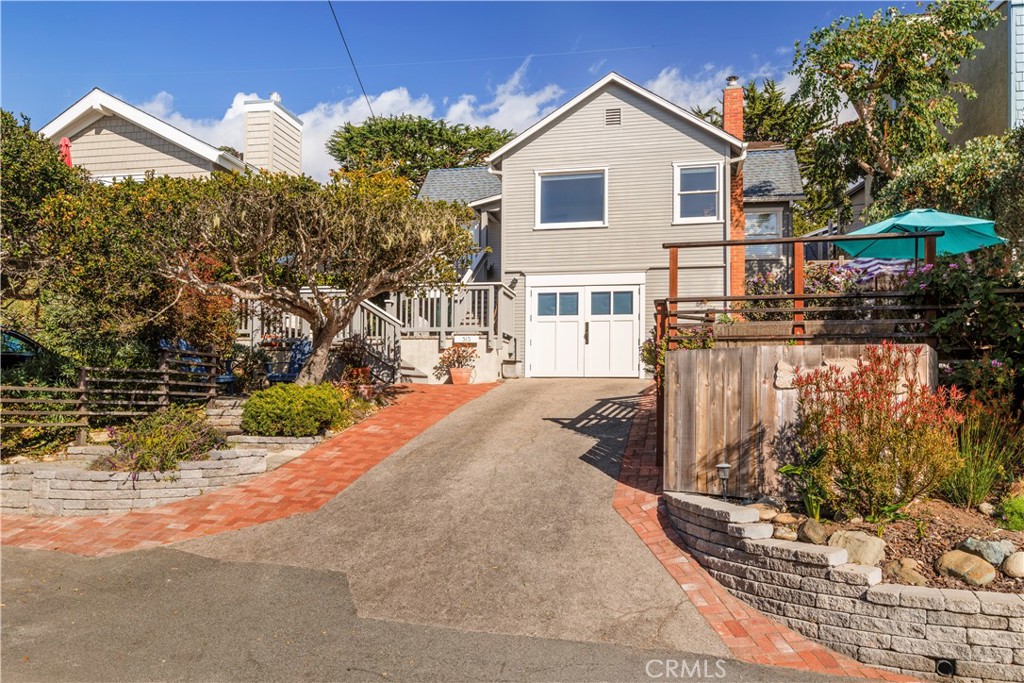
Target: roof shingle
{"type": "Point", "coordinates": [771, 174]}
{"type": "Point", "coordinates": [460, 184]}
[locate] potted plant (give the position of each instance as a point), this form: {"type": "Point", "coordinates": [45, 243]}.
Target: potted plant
{"type": "Point", "coordinates": [457, 363]}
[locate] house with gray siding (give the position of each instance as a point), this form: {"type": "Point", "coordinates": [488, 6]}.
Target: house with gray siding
{"type": "Point", "coordinates": [115, 140]}
{"type": "Point", "coordinates": [578, 206]}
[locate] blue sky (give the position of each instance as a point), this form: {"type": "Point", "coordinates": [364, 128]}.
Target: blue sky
{"type": "Point", "coordinates": [505, 64]}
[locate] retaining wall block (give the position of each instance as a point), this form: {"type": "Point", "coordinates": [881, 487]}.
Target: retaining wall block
{"type": "Point", "coordinates": [1002, 604]}
{"type": "Point", "coordinates": [799, 552]}
{"type": "Point", "coordinates": [923, 597]}
{"type": "Point", "coordinates": [854, 637]}
{"type": "Point", "coordinates": [711, 508]}
{"type": "Point", "coordinates": [962, 601]}
{"type": "Point", "coordinates": [856, 574]}
{"type": "Point", "coordinates": [757, 530]}
{"type": "Point", "coordinates": [930, 648]}
{"type": "Point", "coordinates": [994, 655]}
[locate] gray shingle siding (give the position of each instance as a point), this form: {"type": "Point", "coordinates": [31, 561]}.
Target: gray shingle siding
{"type": "Point", "coordinates": [460, 184]}
{"type": "Point", "coordinates": [771, 175]}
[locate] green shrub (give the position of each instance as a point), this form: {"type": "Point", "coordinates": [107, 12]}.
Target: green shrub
{"type": "Point", "coordinates": [160, 441]}
{"type": "Point", "coordinates": [292, 410]}
{"type": "Point", "coordinates": [990, 447]}
{"type": "Point", "coordinates": [887, 438]}
{"type": "Point", "coordinates": [1013, 513]}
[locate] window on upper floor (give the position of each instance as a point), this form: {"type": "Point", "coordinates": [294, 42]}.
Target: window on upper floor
{"type": "Point", "coordinates": [762, 225]}
{"type": "Point", "coordinates": [698, 193]}
{"type": "Point", "coordinates": [572, 199]}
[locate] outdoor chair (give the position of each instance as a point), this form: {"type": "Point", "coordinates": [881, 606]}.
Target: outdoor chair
{"type": "Point", "coordinates": [298, 353]}
{"type": "Point", "coordinates": [225, 379]}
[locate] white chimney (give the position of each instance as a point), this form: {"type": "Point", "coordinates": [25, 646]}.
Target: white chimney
{"type": "Point", "coordinates": [273, 136]}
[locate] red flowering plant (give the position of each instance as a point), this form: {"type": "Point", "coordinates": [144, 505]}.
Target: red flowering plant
{"type": "Point", "coordinates": [884, 438]}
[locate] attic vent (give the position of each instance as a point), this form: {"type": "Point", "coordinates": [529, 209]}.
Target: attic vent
{"type": "Point", "coordinates": [613, 117]}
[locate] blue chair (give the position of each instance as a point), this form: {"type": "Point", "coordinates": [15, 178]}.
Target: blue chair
{"type": "Point", "coordinates": [298, 353]}
{"type": "Point", "coordinates": [226, 379]}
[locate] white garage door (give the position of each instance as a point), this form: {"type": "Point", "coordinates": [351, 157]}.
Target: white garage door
{"type": "Point", "coordinates": [583, 331]}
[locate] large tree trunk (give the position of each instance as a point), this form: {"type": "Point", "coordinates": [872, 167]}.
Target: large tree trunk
{"type": "Point", "coordinates": [316, 367]}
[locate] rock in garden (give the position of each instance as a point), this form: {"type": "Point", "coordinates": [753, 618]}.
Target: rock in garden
{"type": "Point", "coordinates": [811, 531]}
{"type": "Point", "coordinates": [784, 533]}
{"type": "Point", "coordinates": [906, 572]}
{"type": "Point", "coordinates": [771, 501]}
{"type": "Point", "coordinates": [993, 552]}
{"type": "Point", "coordinates": [788, 518]}
{"type": "Point", "coordinates": [987, 509]}
{"type": "Point", "coordinates": [860, 547]}
{"type": "Point", "coordinates": [1013, 566]}
{"type": "Point", "coordinates": [968, 568]}
{"type": "Point", "coordinates": [766, 512]}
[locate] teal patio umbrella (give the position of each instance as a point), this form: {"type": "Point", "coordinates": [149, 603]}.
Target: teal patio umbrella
{"type": "Point", "coordinates": [961, 234]}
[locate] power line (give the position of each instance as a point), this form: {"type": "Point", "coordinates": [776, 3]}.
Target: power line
{"type": "Point", "coordinates": [350, 59]}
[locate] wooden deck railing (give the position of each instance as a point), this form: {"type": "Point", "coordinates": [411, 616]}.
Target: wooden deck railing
{"type": "Point", "coordinates": [112, 393]}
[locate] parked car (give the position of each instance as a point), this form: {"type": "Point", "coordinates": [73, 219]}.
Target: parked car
{"type": "Point", "coordinates": [16, 348]}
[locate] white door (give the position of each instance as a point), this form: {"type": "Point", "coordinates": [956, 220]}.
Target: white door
{"type": "Point", "coordinates": [612, 332]}
{"type": "Point", "coordinates": [556, 333]}
{"type": "Point", "coordinates": [583, 331]}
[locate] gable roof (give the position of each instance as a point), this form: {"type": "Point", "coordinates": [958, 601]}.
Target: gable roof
{"type": "Point", "coordinates": [96, 104]}
{"type": "Point", "coordinates": [465, 185]}
{"type": "Point", "coordinates": [613, 79]}
{"type": "Point", "coordinates": [771, 174]}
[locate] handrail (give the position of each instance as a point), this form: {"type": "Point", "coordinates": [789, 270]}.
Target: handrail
{"type": "Point", "coordinates": [801, 240]}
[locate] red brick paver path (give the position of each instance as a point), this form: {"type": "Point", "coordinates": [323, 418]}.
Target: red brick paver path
{"type": "Point", "coordinates": [302, 485]}
{"type": "Point", "coordinates": [749, 635]}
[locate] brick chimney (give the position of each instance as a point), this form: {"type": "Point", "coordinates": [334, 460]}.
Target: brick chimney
{"type": "Point", "coordinates": [732, 123]}
{"type": "Point", "coordinates": [273, 136]}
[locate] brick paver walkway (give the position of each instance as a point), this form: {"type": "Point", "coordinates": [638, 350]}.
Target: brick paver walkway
{"type": "Point", "coordinates": [749, 635]}
{"type": "Point", "coordinates": [303, 485]}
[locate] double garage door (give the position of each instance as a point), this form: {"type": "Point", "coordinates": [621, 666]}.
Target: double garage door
{"type": "Point", "coordinates": [583, 331]}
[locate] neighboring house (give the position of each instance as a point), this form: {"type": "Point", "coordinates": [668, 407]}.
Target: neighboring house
{"type": "Point", "coordinates": [586, 199]}
{"type": "Point", "coordinates": [115, 140]}
{"type": "Point", "coordinates": [997, 75]}
{"type": "Point", "coordinates": [771, 186]}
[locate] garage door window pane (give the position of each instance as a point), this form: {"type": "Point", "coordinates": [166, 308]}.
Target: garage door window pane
{"type": "Point", "coordinates": [547, 304]}
{"type": "Point", "coordinates": [568, 303]}
{"type": "Point", "coordinates": [623, 303]}
{"type": "Point", "coordinates": [572, 198]}
{"type": "Point", "coordinates": [600, 303]}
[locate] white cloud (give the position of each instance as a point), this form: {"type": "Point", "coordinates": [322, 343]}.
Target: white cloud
{"type": "Point", "coordinates": [513, 106]}
{"type": "Point", "coordinates": [704, 89]}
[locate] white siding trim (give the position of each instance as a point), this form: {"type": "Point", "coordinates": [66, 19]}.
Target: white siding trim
{"type": "Point", "coordinates": [538, 174]}
{"type": "Point", "coordinates": [699, 220]}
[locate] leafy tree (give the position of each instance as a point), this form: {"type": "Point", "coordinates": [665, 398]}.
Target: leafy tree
{"type": "Point", "coordinates": [314, 251]}
{"type": "Point", "coordinates": [982, 179]}
{"type": "Point", "coordinates": [32, 170]}
{"type": "Point", "coordinates": [895, 72]}
{"type": "Point", "coordinates": [412, 145]}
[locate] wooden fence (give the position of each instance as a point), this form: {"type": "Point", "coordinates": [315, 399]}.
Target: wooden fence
{"type": "Point", "coordinates": [112, 394]}
{"type": "Point", "coordinates": [739, 406]}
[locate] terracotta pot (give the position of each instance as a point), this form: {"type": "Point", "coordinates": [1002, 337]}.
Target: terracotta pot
{"type": "Point", "coordinates": [365, 391]}
{"type": "Point", "coordinates": [460, 375]}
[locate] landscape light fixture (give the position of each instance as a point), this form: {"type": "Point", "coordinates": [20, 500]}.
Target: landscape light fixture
{"type": "Point", "coordinates": [723, 476]}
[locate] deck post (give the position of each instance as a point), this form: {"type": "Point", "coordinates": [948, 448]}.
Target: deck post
{"type": "Point", "coordinates": [83, 406]}
{"type": "Point", "coordinates": [673, 292]}
{"type": "Point", "coordinates": [930, 249]}
{"type": "Point", "coordinates": [798, 289]}
{"type": "Point", "coordinates": [164, 395]}
{"type": "Point", "coordinates": [659, 384]}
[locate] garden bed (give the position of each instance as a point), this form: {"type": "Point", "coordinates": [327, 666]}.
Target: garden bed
{"type": "Point", "coordinates": [931, 529]}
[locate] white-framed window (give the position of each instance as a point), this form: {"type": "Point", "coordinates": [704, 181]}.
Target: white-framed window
{"type": "Point", "coordinates": [762, 225]}
{"type": "Point", "coordinates": [698, 193]}
{"type": "Point", "coordinates": [575, 198]}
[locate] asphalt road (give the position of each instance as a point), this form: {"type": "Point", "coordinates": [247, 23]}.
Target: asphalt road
{"type": "Point", "coordinates": [486, 549]}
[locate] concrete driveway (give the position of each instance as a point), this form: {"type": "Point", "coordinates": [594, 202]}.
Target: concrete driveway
{"type": "Point", "coordinates": [486, 548]}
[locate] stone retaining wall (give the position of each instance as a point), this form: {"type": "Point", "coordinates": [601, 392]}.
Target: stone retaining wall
{"type": "Point", "coordinates": [34, 489]}
{"type": "Point", "coordinates": [813, 590]}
